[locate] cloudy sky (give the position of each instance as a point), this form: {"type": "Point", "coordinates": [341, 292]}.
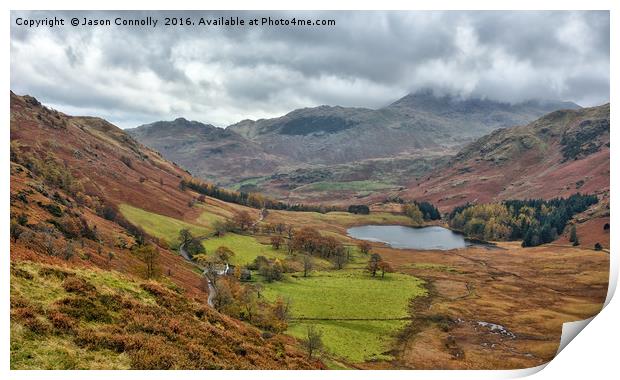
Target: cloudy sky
{"type": "Point", "coordinates": [221, 75]}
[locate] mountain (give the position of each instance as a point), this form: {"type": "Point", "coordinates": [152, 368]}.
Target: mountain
{"type": "Point", "coordinates": [559, 154]}
{"type": "Point", "coordinates": [86, 293]}
{"type": "Point", "coordinates": [419, 122]}
{"type": "Point", "coordinates": [342, 141]}
{"type": "Point", "coordinates": [208, 152]}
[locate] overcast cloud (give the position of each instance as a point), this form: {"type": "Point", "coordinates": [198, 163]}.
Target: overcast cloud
{"type": "Point", "coordinates": [221, 75]}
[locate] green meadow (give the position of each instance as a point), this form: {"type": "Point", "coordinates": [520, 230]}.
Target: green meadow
{"type": "Point", "coordinates": [349, 294]}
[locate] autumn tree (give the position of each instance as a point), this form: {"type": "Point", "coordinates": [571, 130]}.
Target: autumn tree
{"type": "Point", "coordinates": [384, 267]}
{"type": "Point", "coordinates": [276, 241]}
{"type": "Point", "coordinates": [149, 254]}
{"type": "Point", "coordinates": [413, 211]}
{"type": "Point", "coordinates": [243, 220]}
{"type": "Point", "coordinates": [209, 266]}
{"type": "Point", "coordinates": [282, 309]}
{"type": "Point", "coordinates": [224, 254]}
{"type": "Point", "coordinates": [364, 247]}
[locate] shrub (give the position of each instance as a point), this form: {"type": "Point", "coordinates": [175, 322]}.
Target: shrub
{"type": "Point", "coordinates": [78, 285]}
{"type": "Point", "coordinates": [62, 321]}
{"type": "Point", "coordinates": [84, 308]}
{"type": "Point", "coordinates": [127, 161]}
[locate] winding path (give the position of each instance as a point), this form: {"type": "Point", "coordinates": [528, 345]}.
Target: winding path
{"type": "Point", "coordinates": [212, 290]}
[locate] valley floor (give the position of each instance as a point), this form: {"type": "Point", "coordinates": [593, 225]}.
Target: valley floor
{"type": "Point", "coordinates": [475, 308]}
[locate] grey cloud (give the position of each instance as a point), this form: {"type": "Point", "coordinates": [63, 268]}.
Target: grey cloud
{"type": "Point", "coordinates": [222, 75]}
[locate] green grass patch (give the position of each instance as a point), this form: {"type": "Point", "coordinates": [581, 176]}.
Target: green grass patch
{"type": "Point", "coordinates": [430, 266]}
{"type": "Point", "coordinates": [246, 248]}
{"type": "Point", "coordinates": [349, 294]}
{"type": "Point", "coordinates": [31, 351]}
{"type": "Point", "coordinates": [160, 226]}
{"type": "Point", "coordinates": [366, 185]}
{"type": "Point", "coordinates": [345, 218]}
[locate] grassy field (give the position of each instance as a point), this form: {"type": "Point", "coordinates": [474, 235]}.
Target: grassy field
{"type": "Point", "coordinates": [246, 248]}
{"type": "Point", "coordinates": [349, 294]}
{"type": "Point", "coordinates": [366, 185]}
{"type": "Point", "coordinates": [158, 225]}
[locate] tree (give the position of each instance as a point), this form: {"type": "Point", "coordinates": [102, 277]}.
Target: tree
{"type": "Point", "coordinates": [340, 258]}
{"type": "Point", "coordinates": [313, 341]}
{"type": "Point", "coordinates": [149, 254]}
{"type": "Point", "coordinates": [271, 271]}
{"type": "Point", "coordinates": [243, 220]}
{"type": "Point", "coordinates": [308, 264]}
{"type": "Point", "coordinates": [223, 254]}
{"type": "Point", "coordinates": [209, 265]}
{"type": "Point", "coordinates": [573, 235]}
{"type": "Point", "coordinates": [194, 247]}
{"type": "Point", "coordinates": [276, 242]}
{"type": "Point", "coordinates": [373, 264]}
{"type": "Point", "coordinates": [185, 236]}
{"type": "Point", "coordinates": [384, 267]}
{"type": "Point", "coordinates": [282, 308]}
{"type": "Point", "coordinates": [413, 211]}
{"type": "Point", "coordinates": [249, 303]}
{"type": "Point", "coordinates": [223, 294]}
{"type": "Point", "coordinates": [364, 247]}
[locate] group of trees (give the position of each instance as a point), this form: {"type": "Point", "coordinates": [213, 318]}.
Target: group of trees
{"type": "Point", "coordinates": [420, 212]}
{"type": "Point", "coordinates": [309, 241]}
{"type": "Point", "coordinates": [254, 200]}
{"type": "Point", "coordinates": [359, 209]}
{"type": "Point", "coordinates": [533, 221]}
{"type": "Point", "coordinates": [243, 301]}
{"type": "Point", "coordinates": [376, 264]}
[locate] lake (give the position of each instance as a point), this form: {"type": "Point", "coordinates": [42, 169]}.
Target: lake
{"type": "Point", "coordinates": [432, 237]}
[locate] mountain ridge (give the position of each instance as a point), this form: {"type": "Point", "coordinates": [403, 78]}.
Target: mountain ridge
{"type": "Point", "coordinates": [323, 136]}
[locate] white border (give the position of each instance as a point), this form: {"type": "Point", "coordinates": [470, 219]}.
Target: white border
{"type": "Point", "coordinates": [594, 353]}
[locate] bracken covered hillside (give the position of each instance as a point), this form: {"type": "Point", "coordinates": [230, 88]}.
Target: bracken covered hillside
{"type": "Point", "coordinates": [79, 297]}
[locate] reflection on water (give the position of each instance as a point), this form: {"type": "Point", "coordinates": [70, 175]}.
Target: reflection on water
{"type": "Point", "coordinates": [433, 237]}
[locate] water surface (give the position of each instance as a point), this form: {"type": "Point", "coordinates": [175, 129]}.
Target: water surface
{"type": "Point", "coordinates": [432, 237]}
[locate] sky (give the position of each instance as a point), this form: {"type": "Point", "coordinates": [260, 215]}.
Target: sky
{"type": "Point", "coordinates": [221, 75]}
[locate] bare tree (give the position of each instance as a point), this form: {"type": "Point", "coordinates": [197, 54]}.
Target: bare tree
{"type": "Point", "coordinates": [308, 264]}
{"type": "Point", "coordinates": [313, 341]}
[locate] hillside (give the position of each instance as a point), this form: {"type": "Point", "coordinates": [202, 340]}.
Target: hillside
{"type": "Point", "coordinates": [560, 154]}
{"type": "Point", "coordinates": [206, 151]}
{"type": "Point", "coordinates": [78, 267]}
{"type": "Point", "coordinates": [342, 140]}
